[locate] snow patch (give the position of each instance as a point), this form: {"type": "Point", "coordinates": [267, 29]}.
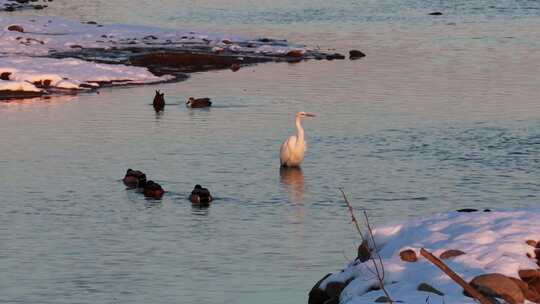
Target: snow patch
{"type": "Point", "coordinates": [71, 74]}
{"type": "Point", "coordinates": [494, 242]}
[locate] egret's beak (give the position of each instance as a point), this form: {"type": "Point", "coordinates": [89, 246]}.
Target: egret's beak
{"type": "Point", "coordinates": [309, 115]}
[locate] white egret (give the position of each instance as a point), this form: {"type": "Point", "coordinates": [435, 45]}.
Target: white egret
{"type": "Point", "coordinates": [293, 149]}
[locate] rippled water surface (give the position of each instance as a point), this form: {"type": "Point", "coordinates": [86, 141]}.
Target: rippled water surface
{"type": "Point", "coordinates": [442, 114]}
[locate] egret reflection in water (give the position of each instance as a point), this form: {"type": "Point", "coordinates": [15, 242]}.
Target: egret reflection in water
{"type": "Point", "coordinates": [292, 179]}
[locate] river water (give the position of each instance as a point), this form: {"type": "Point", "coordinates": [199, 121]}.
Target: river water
{"type": "Point", "coordinates": [443, 113]}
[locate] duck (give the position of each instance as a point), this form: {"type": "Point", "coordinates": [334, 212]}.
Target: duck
{"type": "Point", "coordinates": [153, 190]}
{"type": "Point", "coordinates": [198, 102]}
{"type": "Point", "coordinates": [134, 178]}
{"type": "Point", "coordinates": [159, 101]}
{"type": "Point", "coordinates": [200, 196]}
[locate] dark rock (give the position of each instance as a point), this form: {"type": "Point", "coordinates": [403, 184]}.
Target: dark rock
{"type": "Point", "coordinates": [235, 67]}
{"type": "Point", "coordinates": [428, 288]}
{"type": "Point", "coordinates": [534, 285]}
{"type": "Point", "coordinates": [15, 28]}
{"type": "Point", "coordinates": [499, 286]}
{"type": "Point", "coordinates": [467, 210]}
{"type": "Point", "coordinates": [408, 255]}
{"type": "Point", "coordinates": [487, 210]}
{"type": "Point", "coordinates": [190, 62]}
{"type": "Point", "coordinates": [335, 56]}
{"type": "Point", "coordinates": [356, 54]}
{"type": "Point", "coordinates": [8, 94]}
{"type": "Point", "coordinates": [529, 274]}
{"type": "Point", "coordinates": [435, 14]}
{"type": "Point", "coordinates": [364, 253]}
{"type": "Point", "coordinates": [5, 75]}
{"type": "Point", "coordinates": [450, 254]}
{"type": "Point", "coordinates": [334, 289]}
{"type": "Point", "coordinates": [295, 53]}
{"type": "Point", "coordinates": [317, 295]}
{"type": "Point", "coordinates": [383, 299]}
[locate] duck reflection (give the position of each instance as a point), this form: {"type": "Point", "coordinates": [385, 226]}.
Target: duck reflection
{"type": "Point", "coordinates": [292, 178]}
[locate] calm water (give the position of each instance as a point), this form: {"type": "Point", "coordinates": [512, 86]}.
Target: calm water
{"type": "Point", "coordinates": [444, 113]}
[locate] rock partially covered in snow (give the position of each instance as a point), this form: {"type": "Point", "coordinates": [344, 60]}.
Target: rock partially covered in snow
{"type": "Point", "coordinates": [493, 242]}
{"type": "Point", "coordinates": [26, 74]}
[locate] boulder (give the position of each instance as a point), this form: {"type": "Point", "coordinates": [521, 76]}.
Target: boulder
{"type": "Point", "coordinates": [499, 286]}
{"type": "Point", "coordinates": [435, 14]}
{"type": "Point", "coordinates": [316, 294]}
{"type": "Point", "coordinates": [335, 56]}
{"type": "Point", "coordinates": [295, 53]}
{"type": "Point", "coordinates": [408, 255]}
{"type": "Point", "coordinates": [334, 289]}
{"type": "Point", "coordinates": [450, 254]}
{"type": "Point", "coordinates": [467, 210]}
{"type": "Point", "coordinates": [364, 253]}
{"type": "Point", "coordinates": [383, 299]}
{"type": "Point", "coordinates": [529, 274]}
{"type": "Point", "coordinates": [530, 293]}
{"type": "Point", "coordinates": [355, 54]}
{"type": "Point", "coordinates": [16, 28]}
{"type": "Point", "coordinates": [5, 75]}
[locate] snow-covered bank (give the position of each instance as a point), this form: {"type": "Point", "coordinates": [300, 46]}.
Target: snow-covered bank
{"type": "Point", "coordinates": [13, 5]}
{"type": "Point", "coordinates": [21, 73]}
{"type": "Point", "coordinates": [492, 242]}
{"type": "Point", "coordinates": [41, 35]}
{"type": "Point", "coordinates": [167, 53]}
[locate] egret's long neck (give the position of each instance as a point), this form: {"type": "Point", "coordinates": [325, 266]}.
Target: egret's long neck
{"type": "Point", "coordinates": [299, 128]}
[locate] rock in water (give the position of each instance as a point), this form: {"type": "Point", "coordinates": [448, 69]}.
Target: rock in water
{"type": "Point", "coordinates": [317, 295]}
{"type": "Point", "coordinates": [435, 14]}
{"type": "Point", "coordinates": [356, 54]}
{"type": "Point", "coordinates": [16, 28]}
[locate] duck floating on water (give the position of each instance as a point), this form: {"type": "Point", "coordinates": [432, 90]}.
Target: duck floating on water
{"type": "Point", "coordinates": [200, 196]}
{"type": "Point", "coordinates": [153, 190]}
{"type": "Point", "coordinates": [198, 102]}
{"type": "Point", "coordinates": [159, 101]}
{"type": "Point", "coordinates": [134, 178]}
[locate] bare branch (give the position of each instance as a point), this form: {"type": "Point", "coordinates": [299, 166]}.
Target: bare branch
{"type": "Point", "coordinates": [374, 254]}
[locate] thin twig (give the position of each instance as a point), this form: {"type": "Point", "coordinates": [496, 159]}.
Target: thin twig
{"type": "Point", "coordinates": [353, 218]}
{"type": "Point", "coordinates": [379, 274]}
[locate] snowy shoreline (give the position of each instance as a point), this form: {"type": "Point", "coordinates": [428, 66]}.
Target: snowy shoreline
{"type": "Point", "coordinates": [50, 55]}
{"type": "Point", "coordinates": [472, 244]}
